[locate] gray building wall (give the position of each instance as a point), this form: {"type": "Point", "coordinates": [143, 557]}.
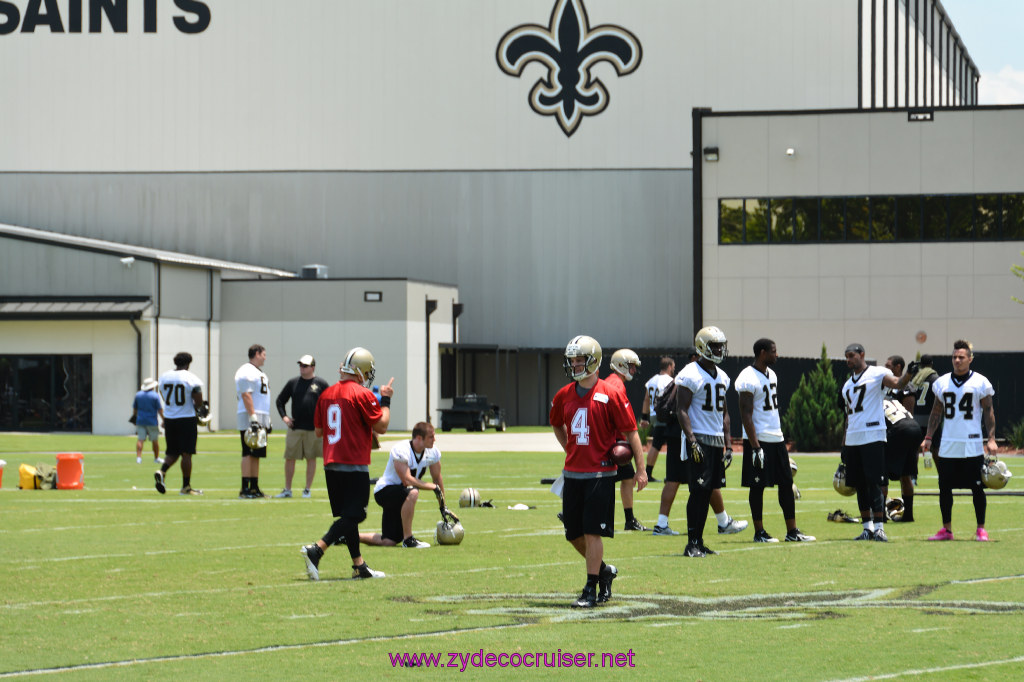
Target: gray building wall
{"type": "Point", "coordinates": [537, 256]}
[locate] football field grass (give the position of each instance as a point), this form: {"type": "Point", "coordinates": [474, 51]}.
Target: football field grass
{"type": "Point", "coordinates": [119, 582]}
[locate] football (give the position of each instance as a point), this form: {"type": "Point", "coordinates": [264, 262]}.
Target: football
{"type": "Point", "coordinates": [621, 453]}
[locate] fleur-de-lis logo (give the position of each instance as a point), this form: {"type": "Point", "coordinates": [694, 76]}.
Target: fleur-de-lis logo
{"type": "Point", "coordinates": [569, 48]}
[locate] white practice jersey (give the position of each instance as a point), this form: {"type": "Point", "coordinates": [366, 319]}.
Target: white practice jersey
{"type": "Point", "coordinates": [250, 379]}
{"type": "Point", "coordinates": [961, 410]}
{"type": "Point", "coordinates": [864, 395]}
{"type": "Point", "coordinates": [418, 464]}
{"type": "Point", "coordinates": [176, 388]}
{"type": "Point", "coordinates": [655, 385]}
{"type": "Point", "coordinates": [765, 388]}
{"type": "Point", "coordinates": [707, 409]}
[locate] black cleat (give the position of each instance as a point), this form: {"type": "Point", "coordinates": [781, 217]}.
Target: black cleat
{"type": "Point", "coordinates": [159, 476]}
{"type": "Point", "coordinates": [587, 600]}
{"type": "Point", "coordinates": [362, 572]}
{"type": "Point", "coordinates": [694, 550]}
{"type": "Point", "coordinates": [704, 548]}
{"type": "Point", "coordinates": [312, 554]}
{"type": "Point", "coordinates": [604, 583]}
{"type": "Point", "coordinates": [635, 525]}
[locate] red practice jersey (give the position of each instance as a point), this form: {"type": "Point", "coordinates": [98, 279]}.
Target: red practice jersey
{"type": "Point", "coordinates": [346, 412]}
{"type": "Point", "coordinates": [593, 424]}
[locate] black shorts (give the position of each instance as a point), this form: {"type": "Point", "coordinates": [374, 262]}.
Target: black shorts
{"type": "Point", "coordinates": [959, 472]}
{"type": "Point", "coordinates": [249, 452]}
{"type": "Point", "coordinates": [625, 472]}
{"type": "Point", "coordinates": [391, 498]}
{"type": "Point", "coordinates": [709, 473]}
{"type": "Point", "coordinates": [349, 492]}
{"type": "Point", "coordinates": [658, 437]}
{"type": "Point", "coordinates": [865, 464]}
{"type": "Point", "coordinates": [180, 435]}
{"type": "Point", "coordinates": [901, 447]}
{"type": "Point", "coordinates": [588, 507]}
{"type": "Point", "coordinates": [776, 469]}
{"type": "Point", "coordinates": [676, 470]}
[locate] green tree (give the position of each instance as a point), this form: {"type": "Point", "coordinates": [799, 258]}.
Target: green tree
{"type": "Point", "coordinates": [814, 421]}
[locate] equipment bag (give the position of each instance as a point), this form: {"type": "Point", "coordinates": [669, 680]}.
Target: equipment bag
{"type": "Point", "coordinates": [665, 404]}
{"type": "Point", "coordinates": [27, 477]}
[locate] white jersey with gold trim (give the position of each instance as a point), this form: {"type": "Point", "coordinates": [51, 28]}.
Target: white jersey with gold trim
{"type": "Point", "coordinates": [707, 409]}
{"type": "Point", "coordinates": [961, 410]}
{"type": "Point", "coordinates": [864, 395]}
{"type": "Point", "coordinates": [765, 388]}
{"type": "Point", "coordinates": [419, 464]}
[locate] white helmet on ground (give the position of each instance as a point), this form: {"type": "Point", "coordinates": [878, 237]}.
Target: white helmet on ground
{"type": "Point", "coordinates": [582, 347]}
{"type": "Point", "coordinates": [711, 344]}
{"type": "Point", "coordinates": [839, 482]}
{"type": "Point", "coordinates": [994, 474]}
{"type": "Point", "coordinates": [625, 362]}
{"type": "Point", "coordinates": [359, 362]}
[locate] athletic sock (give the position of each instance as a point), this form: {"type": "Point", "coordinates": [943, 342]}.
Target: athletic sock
{"type": "Point", "coordinates": [650, 471]}
{"type": "Point", "coordinates": [722, 518]}
{"type": "Point", "coordinates": [629, 513]}
{"type": "Point", "coordinates": [185, 481]}
{"type": "Point", "coordinates": [592, 580]}
{"type": "Point", "coordinates": [662, 520]}
{"type": "Point", "coordinates": [869, 525]}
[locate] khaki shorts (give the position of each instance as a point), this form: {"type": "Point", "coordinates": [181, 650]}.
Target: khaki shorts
{"type": "Point", "coordinates": [302, 444]}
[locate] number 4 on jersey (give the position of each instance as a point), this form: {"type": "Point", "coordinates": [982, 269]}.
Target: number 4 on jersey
{"type": "Point", "coordinates": [579, 427]}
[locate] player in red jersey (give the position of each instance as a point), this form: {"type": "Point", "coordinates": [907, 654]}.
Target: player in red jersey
{"type": "Point", "coordinates": [347, 415]}
{"type": "Point", "coordinates": [587, 417]}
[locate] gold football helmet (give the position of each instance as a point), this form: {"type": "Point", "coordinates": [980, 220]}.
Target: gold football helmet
{"type": "Point", "coordinates": [359, 362]}
{"type": "Point", "coordinates": [994, 474]}
{"type": "Point", "coordinates": [625, 362]}
{"type": "Point", "coordinates": [582, 347]}
{"type": "Point", "coordinates": [839, 482]}
{"type": "Point", "coordinates": [711, 344]}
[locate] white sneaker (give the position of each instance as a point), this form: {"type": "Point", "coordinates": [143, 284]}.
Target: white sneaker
{"type": "Point", "coordinates": [138, 460]}
{"type": "Point", "coordinates": [663, 530]}
{"type": "Point", "coordinates": [158, 460]}
{"type": "Point", "coordinates": [306, 493]}
{"type": "Point", "coordinates": [283, 493]}
{"type": "Point", "coordinates": [733, 526]}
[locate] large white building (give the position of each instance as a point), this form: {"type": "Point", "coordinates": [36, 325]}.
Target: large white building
{"type": "Point", "coordinates": [534, 159]}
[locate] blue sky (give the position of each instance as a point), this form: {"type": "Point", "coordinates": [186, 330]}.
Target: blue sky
{"type": "Point", "coordinates": [992, 31]}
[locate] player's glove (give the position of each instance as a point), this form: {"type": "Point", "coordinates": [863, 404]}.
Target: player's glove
{"type": "Point", "coordinates": [696, 453]}
{"type": "Point", "coordinates": [438, 493]}
{"type": "Point", "coordinates": [759, 458]}
{"type": "Point", "coordinates": [726, 457]}
{"type": "Point", "coordinates": [913, 367]}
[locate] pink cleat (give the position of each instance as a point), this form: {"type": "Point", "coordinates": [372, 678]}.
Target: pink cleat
{"type": "Point", "coordinates": [945, 534]}
{"type": "Point", "coordinates": [981, 535]}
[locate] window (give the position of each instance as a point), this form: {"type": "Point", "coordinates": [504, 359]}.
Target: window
{"type": "Point", "coordinates": [987, 216]}
{"type": "Point", "coordinates": [757, 221]}
{"type": "Point", "coordinates": [730, 221]}
{"type": "Point", "coordinates": [833, 220]}
{"type": "Point", "coordinates": [936, 219]}
{"type": "Point", "coordinates": [878, 219]}
{"type": "Point", "coordinates": [858, 219]}
{"type": "Point", "coordinates": [883, 219]}
{"type": "Point", "coordinates": [908, 219]}
{"type": "Point", "coordinates": [46, 393]}
{"type": "Point", "coordinates": [805, 220]}
{"type": "Point", "coordinates": [1013, 216]}
{"type": "Point", "coordinates": [782, 220]}
{"type": "Point", "coordinates": [961, 217]}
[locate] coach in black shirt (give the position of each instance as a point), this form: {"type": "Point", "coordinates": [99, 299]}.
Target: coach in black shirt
{"type": "Point", "coordinates": [301, 441]}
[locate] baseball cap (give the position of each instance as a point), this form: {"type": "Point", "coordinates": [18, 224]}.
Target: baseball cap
{"type": "Point", "coordinates": [854, 348]}
{"type": "Point", "coordinates": [307, 360]}
{"type": "Point", "coordinates": [149, 384]}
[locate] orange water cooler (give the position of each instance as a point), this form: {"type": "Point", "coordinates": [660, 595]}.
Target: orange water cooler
{"type": "Point", "coordinates": [70, 471]}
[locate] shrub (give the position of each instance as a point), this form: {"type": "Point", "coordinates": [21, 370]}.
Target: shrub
{"type": "Point", "coordinates": [814, 421]}
{"type": "Point", "coordinates": [1015, 435]}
